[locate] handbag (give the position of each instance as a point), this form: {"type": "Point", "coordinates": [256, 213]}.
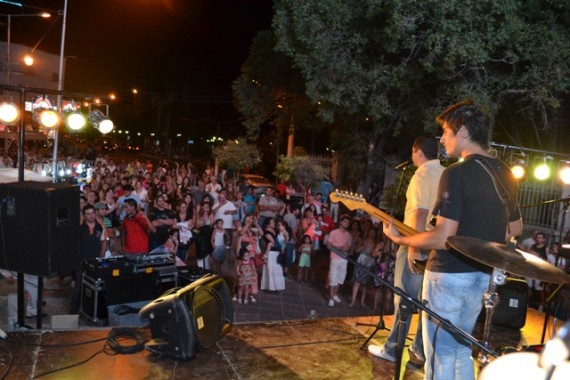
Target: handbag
{"type": "Point", "coordinates": [258, 260]}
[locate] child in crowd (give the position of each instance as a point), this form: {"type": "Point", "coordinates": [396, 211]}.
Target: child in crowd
{"type": "Point", "coordinates": [246, 276]}
{"type": "Point", "coordinates": [305, 250]}
{"type": "Point", "coordinates": [219, 238]}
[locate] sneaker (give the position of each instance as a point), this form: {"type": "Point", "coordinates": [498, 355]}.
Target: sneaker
{"type": "Point", "coordinates": [253, 300]}
{"type": "Point", "coordinates": [245, 301]}
{"type": "Point", "coordinates": [416, 358]}
{"type": "Point", "coordinates": [234, 299]}
{"type": "Point", "coordinates": [380, 352]}
{"type": "Point", "coordinates": [239, 301]}
{"type": "Point", "coordinates": [331, 303]}
{"type": "Point", "coordinates": [336, 299]}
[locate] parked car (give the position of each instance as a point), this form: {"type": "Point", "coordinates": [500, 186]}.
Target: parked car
{"type": "Point", "coordinates": [258, 183]}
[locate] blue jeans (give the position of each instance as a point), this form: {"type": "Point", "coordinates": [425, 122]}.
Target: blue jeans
{"type": "Point", "coordinates": [457, 297]}
{"type": "Point", "coordinates": [411, 284]}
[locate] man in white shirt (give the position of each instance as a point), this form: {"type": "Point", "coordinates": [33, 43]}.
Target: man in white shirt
{"type": "Point", "coordinates": [225, 210]}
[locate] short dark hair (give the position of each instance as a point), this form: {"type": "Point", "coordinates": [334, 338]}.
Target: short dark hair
{"type": "Point", "coordinates": [472, 117]}
{"type": "Point", "coordinates": [87, 207]}
{"type": "Point", "coordinates": [428, 145]}
{"type": "Point", "coordinates": [131, 202]}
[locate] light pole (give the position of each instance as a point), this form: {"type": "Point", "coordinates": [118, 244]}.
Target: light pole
{"type": "Point", "coordinates": [59, 89]}
{"type": "Point", "coordinates": [8, 37]}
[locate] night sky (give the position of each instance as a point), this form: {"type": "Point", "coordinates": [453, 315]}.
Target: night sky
{"type": "Point", "coordinates": [157, 46]}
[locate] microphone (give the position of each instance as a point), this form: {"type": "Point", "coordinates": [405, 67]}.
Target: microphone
{"type": "Point", "coordinates": [402, 165]}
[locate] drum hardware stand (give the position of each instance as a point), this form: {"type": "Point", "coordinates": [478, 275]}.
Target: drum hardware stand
{"type": "Point", "coordinates": [490, 300]}
{"type": "Point", "coordinates": [549, 302]}
{"type": "Point", "coordinates": [548, 311]}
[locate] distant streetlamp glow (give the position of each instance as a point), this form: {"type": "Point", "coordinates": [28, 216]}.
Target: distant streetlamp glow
{"type": "Point", "coordinates": [9, 37]}
{"type": "Point", "coordinates": [28, 60]}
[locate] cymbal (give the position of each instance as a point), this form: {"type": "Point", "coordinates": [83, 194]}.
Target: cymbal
{"type": "Point", "coordinates": [513, 261]}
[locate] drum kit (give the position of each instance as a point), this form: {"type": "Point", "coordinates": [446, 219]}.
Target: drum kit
{"type": "Point", "coordinates": [506, 259]}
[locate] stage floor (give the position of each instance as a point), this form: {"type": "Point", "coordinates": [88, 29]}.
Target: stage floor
{"type": "Point", "coordinates": [327, 348]}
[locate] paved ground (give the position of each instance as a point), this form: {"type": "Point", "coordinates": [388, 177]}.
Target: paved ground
{"type": "Point", "coordinates": [297, 301]}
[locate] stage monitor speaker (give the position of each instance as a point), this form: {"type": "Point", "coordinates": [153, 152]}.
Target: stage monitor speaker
{"type": "Point", "coordinates": [186, 321]}
{"type": "Point", "coordinates": [39, 227]}
{"type": "Point", "coordinates": [513, 304]}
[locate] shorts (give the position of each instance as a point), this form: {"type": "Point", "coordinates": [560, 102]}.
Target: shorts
{"type": "Point", "coordinates": [219, 253]}
{"type": "Point", "coordinates": [337, 272]}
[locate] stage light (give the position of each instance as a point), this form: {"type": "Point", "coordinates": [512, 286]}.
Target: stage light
{"type": "Point", "coordinates": [100, 122]}
{"type": "Point", "coordinates": [542, 169]}
{"type": "Point", "coordinates": [49, 119]}
{"type": "Point", "coordinates": [518, 162]}
{"type": "Point", "coordinates": [9, 114]}
{"type": "Point", "coordinates": [75, 121]}
{"type": "Point", "coordinates": [564, 172]}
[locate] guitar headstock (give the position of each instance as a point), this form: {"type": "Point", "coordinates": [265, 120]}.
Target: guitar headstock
{"type": "Point", "coordinates": [350, 200]}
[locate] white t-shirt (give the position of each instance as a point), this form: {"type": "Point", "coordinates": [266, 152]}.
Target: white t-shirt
{"type": "Point", "coordinates": [228, 218]}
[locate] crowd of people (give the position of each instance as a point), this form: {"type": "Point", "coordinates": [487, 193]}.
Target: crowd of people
{"type": "Point", "coordinates": [262, 236]}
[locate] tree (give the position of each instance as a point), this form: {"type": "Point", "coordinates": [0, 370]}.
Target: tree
{"type": "Point", "coordinates": [302, 169]}
{"type": "Point", "coordinates": [237, 155]}
{"type": "Point", "coordinates": [395, 64]}
{"type": "Point", "coordinates": [271, 89]}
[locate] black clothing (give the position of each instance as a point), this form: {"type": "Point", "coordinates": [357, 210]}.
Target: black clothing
{"type": "Point", "coordinates": [467, 195]}
{"type": "Point", "coordinates": [90, 244]}
{"type": "Point", "coordinates": [159, 237]}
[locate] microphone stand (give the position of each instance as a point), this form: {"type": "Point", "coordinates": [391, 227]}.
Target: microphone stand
{"type": "Point", "coordinates": [381, 325]}
{"type": "Point", "coordinates": [409, 300]}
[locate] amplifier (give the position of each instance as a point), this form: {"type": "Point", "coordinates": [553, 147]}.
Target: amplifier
{"type": "Point", "coordinates": [113, 266]}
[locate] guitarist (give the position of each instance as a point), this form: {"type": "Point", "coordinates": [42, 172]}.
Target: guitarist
{"type": "Point", "coordinates": [477, 198]}
{"type": "Point", "coordinates": [420, 200]}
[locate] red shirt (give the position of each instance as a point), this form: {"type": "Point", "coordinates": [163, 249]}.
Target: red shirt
{"type": "Point", "coordinates": [136, 235]}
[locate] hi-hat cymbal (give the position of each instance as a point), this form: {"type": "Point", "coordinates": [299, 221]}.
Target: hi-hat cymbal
{"type": "Point", "coordinates": [513, 261]}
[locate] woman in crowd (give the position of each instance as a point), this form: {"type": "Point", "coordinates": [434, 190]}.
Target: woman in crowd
{"type": "Point", "coordinates": [204, 225]}
{"type": "Point", "coordinates": [366, 256]}
{"type": "Point", "coordinates": [272, 279]}
{"type": "Point", "coordinates": [184, 225]}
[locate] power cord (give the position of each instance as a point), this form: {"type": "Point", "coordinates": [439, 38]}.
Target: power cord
{"type": "Point", "coordinates": [121, 334]}
{"type": "Point", "coordinates": [113, 346]}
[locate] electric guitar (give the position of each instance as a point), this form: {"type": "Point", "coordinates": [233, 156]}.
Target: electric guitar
{"type": "Point", "coordinates": [357, 202]}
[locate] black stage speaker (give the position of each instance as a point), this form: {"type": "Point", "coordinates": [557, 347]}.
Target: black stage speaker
{"type": "Point", "coordinates": [513, 304]}
{"type": "Point", "coordinates": [39, 227]}
{"type": "Point", "coordinates": [186, 321]}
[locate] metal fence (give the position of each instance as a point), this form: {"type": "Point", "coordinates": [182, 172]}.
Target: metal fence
{"type": "Point", "coordinates": [541, 207]}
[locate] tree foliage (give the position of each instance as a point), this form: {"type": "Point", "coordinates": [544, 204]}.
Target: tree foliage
{"type": "Point", "coordinates": [271, 89]}
{"type": "Point", "coordinates": [402, 61]}
{"type": "Point", "coordinates": [389, 67]}
{"type": "Point", "coordinates": [237, 155]}
{"type": "Point", "coordinates": [301, 169]}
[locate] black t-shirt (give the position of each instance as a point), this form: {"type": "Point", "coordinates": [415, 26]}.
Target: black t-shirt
{"type": "Point", "coordinates": [541, 251]}
{"type": "Point", "coordinates": [467, 195]}
{"type": "Point", "coordinates": [90, 244]}
{"type": "Point", "coordinates": [159, 237]}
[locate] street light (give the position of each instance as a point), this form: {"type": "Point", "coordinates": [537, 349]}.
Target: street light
{"type": "Point", "coordinates": [59, 86]}
{"type": "Point", "coordinates": [8, 37]}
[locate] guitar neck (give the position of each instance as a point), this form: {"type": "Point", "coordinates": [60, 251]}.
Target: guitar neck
{"type": "Point", "coordinates": [354, 202]}
{"type": "Point", "coordinates": [402, 228]}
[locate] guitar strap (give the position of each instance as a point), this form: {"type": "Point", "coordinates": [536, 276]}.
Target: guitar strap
{"type": "Point", "coordinates": [502, 192]}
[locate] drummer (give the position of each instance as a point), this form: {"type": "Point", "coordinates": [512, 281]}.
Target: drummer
{"type": "Point", "coordinates": [477, 198]}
